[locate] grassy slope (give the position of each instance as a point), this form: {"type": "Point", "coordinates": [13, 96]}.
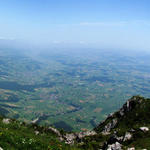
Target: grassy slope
{"type": "Point", "coordinates": [20, 136]}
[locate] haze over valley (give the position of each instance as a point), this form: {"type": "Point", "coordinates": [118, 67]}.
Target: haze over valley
{"type": "Point", "coordinates": [73, 89]}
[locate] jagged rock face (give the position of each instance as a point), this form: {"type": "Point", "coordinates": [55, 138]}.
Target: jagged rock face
{"type": "Point", "coordinates": [115, 117]}
{"type": "Point", "coordinates": [129, 105]}
{"type": "Point", "coordinates": [72, 137]}
{"type": "Point", "coordinates": [109, 126]}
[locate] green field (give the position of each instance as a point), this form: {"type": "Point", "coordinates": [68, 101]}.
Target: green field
{"type": "Point", "coordinates": [70, 89]}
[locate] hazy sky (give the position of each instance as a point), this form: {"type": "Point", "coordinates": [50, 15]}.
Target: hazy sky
{"type": "Point", "coordinates": [104, 23]}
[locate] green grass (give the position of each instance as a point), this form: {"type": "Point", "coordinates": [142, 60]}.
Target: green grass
{"type": "Point", "coordinates": [20, 136]}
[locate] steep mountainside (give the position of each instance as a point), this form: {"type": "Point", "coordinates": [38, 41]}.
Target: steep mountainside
{"type": "Point", "coordinates": [124, 129]}
{"type": "Point", "coordinates": [127, 128]}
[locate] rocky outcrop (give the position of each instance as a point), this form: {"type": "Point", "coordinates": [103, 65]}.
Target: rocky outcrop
{"type": "Point", "coordinates": [128, 106]}
{"type": "Point", "coordinates": [87, 133]}
{"type": "Point", "coordinates": [106, 128]}
{"type": "Point", "coordinates": [55, 131]}
{"type": "Point", "coordinates": [109, 126]}
{"type": "Point", "coordinates": [132, 148]}
{"type": "Point", "coordinates": [115, 146]}
{"type": "Point", "coordinates": [72, 137]}
{"type": "Point", "coordinates": [115, 142]}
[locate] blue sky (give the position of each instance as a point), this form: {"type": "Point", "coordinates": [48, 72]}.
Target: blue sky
{"type": "Point", "coordinates": [101, 23]}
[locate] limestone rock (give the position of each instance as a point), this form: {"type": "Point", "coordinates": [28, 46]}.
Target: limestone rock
{"type": "Point", "coordinates": [6, 121]}
{"type": "Point", "coordinates": [145, 129]}
{"type": "Point", "coordinates": [132, 148]}
{"type": "Point", "coordinates": [55, 131]}
{"type": "Point", "coordinates": [87, 133]}
{"type": "Point", "coordinates": [109, 126]}
{"type": "Point", "coordinates": [36, 132]}
{"type": "Point", "coordinates": [69, 138]}
{"type": "Point", "coordinates": [120, 138]}
{"type": "Point", "coordinates": [127, 136]}
{"type": "Point", "coordinates": [35, 121]}
{"type": "Point", "coordinates": [115, 146]}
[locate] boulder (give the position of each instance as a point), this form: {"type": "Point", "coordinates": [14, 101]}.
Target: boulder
{"type": "Point", "coordinates": [115, 146]}
{"type": "Point", "coordinates": [36, 132]}
{"type": "Point", "coordinates": [145, 129]}
{"type": "Point", "coordinates": [6, 121]}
